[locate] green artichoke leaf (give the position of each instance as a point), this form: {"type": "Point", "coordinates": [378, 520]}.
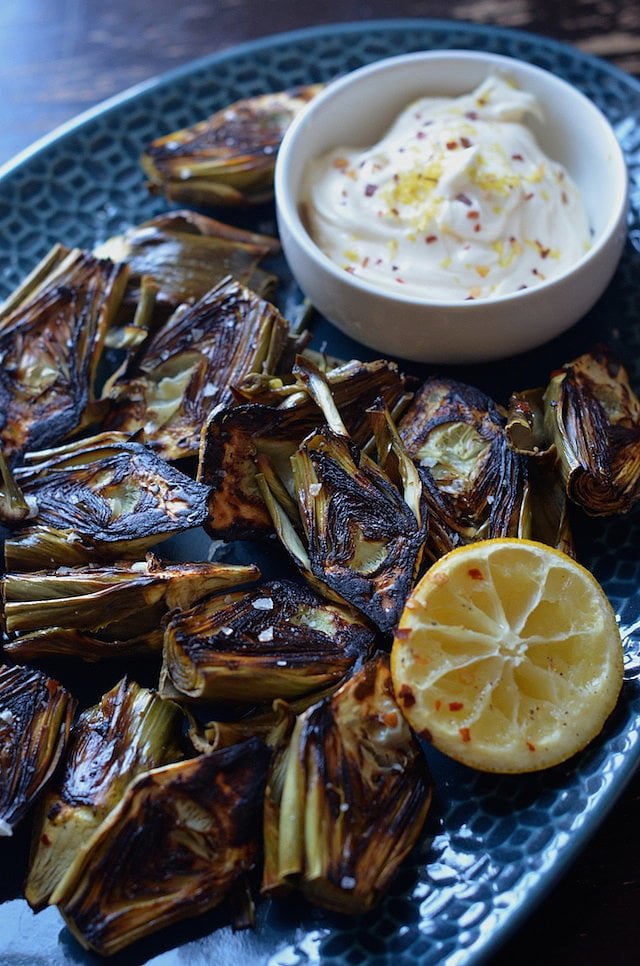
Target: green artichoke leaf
{"type": "Point", "coordinates": [35, 718]}
{"type": "Point", "coordinates": [347, 795]}
{"type": "Point", "coordinates": [227, 159]}
{"type": "Point", "coordinates": [592, 416]}
{"type": "Point", "coordinates": [177, 843]}
{"type": "Point", "coordinates": [103, 498]}
{"type": "Point", "coordinates": [276, 640]}
{"type": "Point", "coordinates": [128, 732]}
{"type": "Point", "coordinates": [187, 367]}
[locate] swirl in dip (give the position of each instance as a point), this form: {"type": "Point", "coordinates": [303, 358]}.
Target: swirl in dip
{"type": "Point", "coordinates": [457, 201]}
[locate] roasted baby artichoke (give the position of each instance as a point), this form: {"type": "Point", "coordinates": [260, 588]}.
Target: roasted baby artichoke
{"type": "Point", "coordinates": [35, 717]}
{"type": "Point", "coordinates": [96, 612]}
{"type": "Point", "coordinates": [278, 640]}
{"type": "Point", "coordinates": [346, 798]}
{"type": "Point", "coordinates": [456, 435]}
{"type": "Point", "coordinates": [50, 343]}
{"type": "Point", "coordinates": [592, 416]}
{"type": "Point", "coordinates": [185, 370]}
{"type": "Point", "coordinates": [130, 731]}
{"type": "Point", "coordinates": [103, 498]}
{"type": "Point", "coordinates": [272, 419]}
{"type": "Point", "coordinates": [180, 839]}
{"type": "Point", "coordinates": [356, 533]}
{"type": "Point", "coordinates": [229, 158]}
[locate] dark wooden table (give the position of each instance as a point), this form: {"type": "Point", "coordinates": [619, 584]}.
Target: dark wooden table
{"type": "Point", "coordinates": [60, 57]}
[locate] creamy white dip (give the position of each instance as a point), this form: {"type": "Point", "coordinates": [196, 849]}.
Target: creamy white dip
{"type": "Point", "coordinates": [457, 201]}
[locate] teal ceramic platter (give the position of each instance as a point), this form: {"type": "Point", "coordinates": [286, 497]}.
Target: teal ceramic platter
{"type": "Point", "coordinates": [492, 846]}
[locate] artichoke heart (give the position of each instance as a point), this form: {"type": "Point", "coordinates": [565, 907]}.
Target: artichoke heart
{"type": "Point", "coordinates": [347, 796]}
{"type": "Point", "coordinates": [356, 534]}
{"type": "Point", "coordinates": [228, 158]}
{"type": "Point", "coordinates": [477, 485]}
{"type": "Point", "coordinates": [51, 342]}
{"type": "Point", "coordinates": [103, 498]}
{"type": "Point", "coordinates": [186, 253]}
{"type": "Point", "coordinates": [95, 612]}
{"type": "Point", "coordinates": [278, 640]}
{"type": "Point", "coordinates": [128, 732]}
{"type": "Point", "coordinates": [592, 416]}
{"type": "Point", "coordinates": [186, 368]}
{"type": "Point", "coordinates": [273, 420]}
{"type": "Point", "coordinates": [175, 846]}
{"type": "Point", "coordinates": [35, 718]}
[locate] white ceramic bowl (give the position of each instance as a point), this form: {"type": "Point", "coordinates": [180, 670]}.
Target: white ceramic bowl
{"type": "Point", "coordinates": [356, 110]}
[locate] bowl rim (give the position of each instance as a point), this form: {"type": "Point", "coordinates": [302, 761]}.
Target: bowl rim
{"type": "Point", "coordinates": [287, 209]}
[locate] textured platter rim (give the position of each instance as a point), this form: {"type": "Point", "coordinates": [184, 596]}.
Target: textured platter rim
{"type": "Point", "coordinates": [595, 813]}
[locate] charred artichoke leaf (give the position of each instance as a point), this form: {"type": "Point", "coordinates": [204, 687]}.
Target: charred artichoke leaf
{"type": "Point", "coordinates": [51, 344]}
{"type": "Point", "coordinates": [103, 498]}
{"type": "Point", "coordinates": [277, 640]}
{"type": "Point", "coordinates": [128, 732]}
{"type": "Point", "coordinates": [347, 796]}
{"type": "Point", "coordinates": [456, 435]}
{"type": "Point", "coordinates": [272, 420]}
{"type": "Point", "coordinates": [35, 718]}
{"type": "Point", "coordinates": [186, 368]}
{"type": "Point", "coordinates": [228, 158]}
{"type": "Point", "coordinates": [186, 253]}
{"type": "Point", "coordinates": [179, 840]}
{"type": "Point", "coordinates": [358, 537]}
{"type": "Point", "coordinates": [95, 612]}
{"type": "Point", "coordinates": [592, 416]}
{"type": "Point", "coordinates": [13, 506]}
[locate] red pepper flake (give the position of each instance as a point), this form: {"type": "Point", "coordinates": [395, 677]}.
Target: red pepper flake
{"type": "Point", "coordinates": [465, 734]}
{"type": "Point", "coordinates": [350, 269]}
{"type": "Point", "coordinates": [420, 135]}
{"type": "Point", "coordinates": [438, 704]}
{"type": "Point", "coordinates": [473, 214]}
{"type": "Point", "coordinates": [464, 199]}
{"type": "Point", "coordinates": [401, 280]}
{"type": "Point", "coordinates": [475, 573]}
{"type": "Point", "coordinates": [465, 142]}
{"type": "Point", "coordinates": [517, 157]}
{"type": "Point", "coordinates": [365, 261]}
{"type": "Point", "coordinates": [390, 719]}
{"type": "Point", "coordinates": [402, 633]}
{"type": "Point", "coordinates": [452, 145]}
{"type": "Point", "coordinates": [370, 190]}
{"type": "Point", "coordinates": [340, 163]}
{"type": "Point", "coordinates": [406, 695]}
{"type": "Point", "coordinates": [456, 706]}
{"type": "Point", "coordinates": [528, 196]}
{"type": "Point", "coordinates": [45, 840]}
{"type": "Point", "coordinates": [430, 239]}
{"type": "Point", "coordinates": [530, 746]}
{"type": "Point", "coordinates": [477, 227]}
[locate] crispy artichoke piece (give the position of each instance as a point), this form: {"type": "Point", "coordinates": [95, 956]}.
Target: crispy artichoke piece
{"type": "Point", "coordinates": [356, 533]}
{"type": "Point", "coordinates": [347, 796]}
{"type": "Point", "coordinates": [186, 369]}
{"type": "Point", "coordinates": [128, 732]}
{"type": "Point", "coordinates": [277, 640]}
{"type": "Point", "coordinates": [51, 343]}
{"type": "Point", "coordinates": [13, 506]}
{"type": "Point", "coordinates": [96, 612]}
{"type": "Point", "coordinates": [35, 718]}
{"type": "Point", "coordinates": [103, 498]}
{"type": "Point", "coordinates": [182, 836]}
{"type": "Point", "coordinates": [186, 254]}
{"type": "Point", "coordinates": [229, 158]}
{"type": "Point", "coordinates": [456, 435]}
{"type": "Point", "coordinates": [592, 416]}
{"type": "Point", "coordinates": [272, 419]}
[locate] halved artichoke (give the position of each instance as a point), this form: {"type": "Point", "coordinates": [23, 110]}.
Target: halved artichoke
{"type": "Point", "coordinates": [229, 158]}
{"type": "Point", "coordinates": [456, 435]}
{"type": "Point", "coordinates": [96, 612]}
{"type": "Point", "coordinates": [51, 342]}
{"type": "Point", "coordinates": [35, 718]}
{"type": "Point", "coordinates": [186, 254]}
{"type": "Point", "coordinates": [175, 846]}
{"type": "Point", "coordinates": [271, 419]}
{"type": "Point", "coordinates": [277, 640]}
{"type": "Point", "coordinates": [184, 370]}
{"type": "Point", "coordinates": [129, 731]}
{"type": "Point", "coordinates": [356, 532]}
{"type": "Point", "coordinates": [592, 416]}
{"type": "Point", "coordinates": [347, 796]}
{"type": "Point", "coordinates": [103, 498]}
